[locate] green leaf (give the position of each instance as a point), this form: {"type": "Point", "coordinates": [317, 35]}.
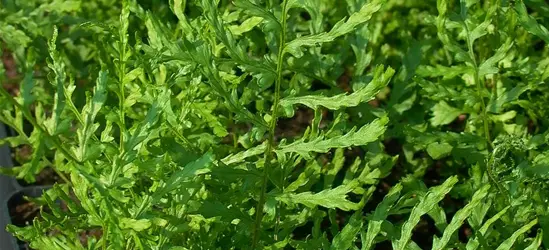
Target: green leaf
{"type": "Point", "coordinates": [380, 81]}
{"type": "Point", "coordinates": [99, 97]}
{"type": "Point", "coordinates": [443, 71]}
{"type": "Point", "coordinates": [307, 177]}
{"type": "Point", "coordinates": [258, 11]}
{"type": "Point", "coordinates": [487, 67]}
{"type": "Point", "coordinates": [124, 22]}
{"type": "Point", "coordinates": [55, 125]}
{"type": "Point", "coordinates": [178, 248]}
{"type": "Point", "coordinates": [508, 243]}
{"type": "Point", "coordinates": [474, 243]}
{"type": "Point", "coordinates": [30, 169]}
{"type": "Point", "coordinates": [204, 111]}
{"type": "Point", "coordinates": [261, 69]}
{"type": "Point", "coordinates": [202, 55]}
{"type": "Point", "coordinates": [439, 150]}
{"type": "Point", "coordinates": [26, 90]}
{"type": "Point", "coordinates": [345, 239]}
{"type": "Point", "coordinates": [210, 209]}
{"type": "Point", "coordinates": [426, 202]}
{"type": "Point", "coordinates": [178, 7]}
{"type": "Point", "coordinates": [536, 243]}
{"type": "Point", "coordinates": [504, 97]}
{"type": "Point", "coordinates": [529, 23]}
{"type": "Point", "coordinates": [329, 198]}
{"type": "Point", "coordinates": [245, 26]}
{"type": "Point", "coordinates": [340, 28]}
{"type": "Point", "coordinates": [89, 113]}
{"type": "Point", "coordinates": [333, 169]}
{"type": "Point", "coordinates": [479, 31]}
{"type": "Point", "coordinates": [14, 37]}
{"type": "Point", "coordinates": [368, 133]}
{"type": "Point", "coordinates": [198, 167]}
{"type": "Point", "coordinates": [460, 217]}
{"type": "Point", "coordinates": [380, 214]}
{"type": "Point", "coordinates": [141, 132]}
{"type": "Point", "coordinates": [242, 155]}
{"type": "Point", "coordinates": [359, 43]}
{"type": "Point", "coordinates": [507, 116]}
{"type": "Point", "coordinates": [132, 75]}
{"type": "Point", "coordinates": [443, 114]}
{"type": "Point", "coordinates": [137, 225]}
{"type": "Point", "coordinates": [313, 9]}
{"type": "Point", "coordinates": [61, 6]}
{"type": "Point", "coordinates": [14, 141]}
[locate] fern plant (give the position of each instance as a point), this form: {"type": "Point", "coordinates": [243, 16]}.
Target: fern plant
{"type": "Point", "coordinates": [178, 125]}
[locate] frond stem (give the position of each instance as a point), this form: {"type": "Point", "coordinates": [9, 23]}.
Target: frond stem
{"type": "Point", "coordinates": [478, 83]}
{"type": "Point", "coordinates": [272, 126]}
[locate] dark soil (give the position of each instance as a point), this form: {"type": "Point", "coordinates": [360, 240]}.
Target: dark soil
{"type": "Point", "coordinates": [45, 178]}
{"type": "Point", "coordinates": [465, 232]}
{"type": "Point", "coordinates": [296, 125]}
{"type": "Point", "coordinates": [92, 233]}
{"type": "Point", "coordinates": [424, 232]}
{"type": "Point", "coordinates": [11, 72]}
{"type": "Point", "coordinates": [22, 212]}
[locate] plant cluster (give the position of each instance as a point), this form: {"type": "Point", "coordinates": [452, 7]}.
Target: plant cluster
{"type": "Point", "coordinates": [281, 124]}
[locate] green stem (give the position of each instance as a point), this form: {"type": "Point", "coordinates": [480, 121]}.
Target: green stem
{"type": "Point", "coordinates": [278, 206]}
{"type": "Point", "coordinates": [233, 130]}
{"type": "Point", "coordinates": [478, 83]}
{"type": "Point", "coordinates": [272, 125]}
{"type": "Point", "coordinates": [121, 77]}
{"type": "Point", "coordinates": [104, 239]}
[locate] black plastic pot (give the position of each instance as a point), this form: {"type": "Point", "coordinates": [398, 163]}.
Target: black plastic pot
{"type": "Point", "coordinates": [8, 187]}
{"type": "Point", "coordinates": [18, 198]}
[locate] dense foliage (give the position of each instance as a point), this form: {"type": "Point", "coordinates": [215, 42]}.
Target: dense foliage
{"type": "Point", "coordinates": [269, 124]}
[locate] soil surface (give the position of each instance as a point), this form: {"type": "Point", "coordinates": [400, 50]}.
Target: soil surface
{"type": "Point", "coordinates": [11, 72]}
{"type": "Point", "coordinates": [22, 211]}
{"type": "Point", "coordinates": [46, 177]}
